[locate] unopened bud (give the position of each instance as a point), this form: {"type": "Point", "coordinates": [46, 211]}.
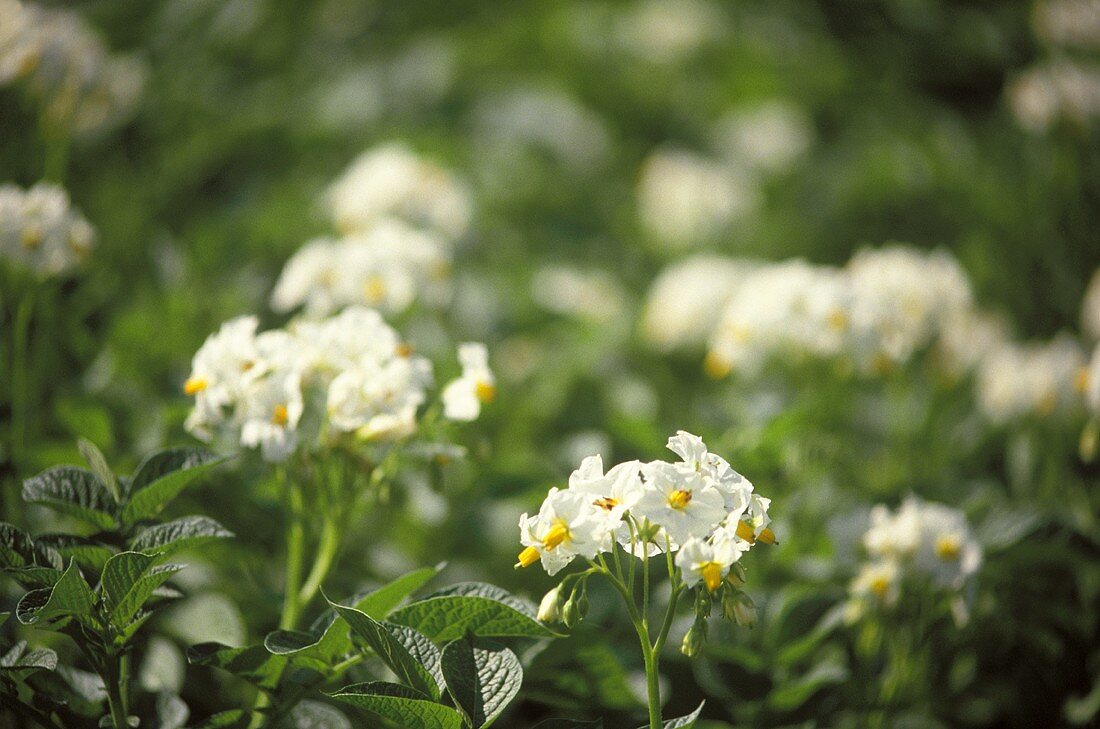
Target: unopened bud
{"type": "Point", "coordinates": [1090, 439]}
{"type": "Point", "coordinates": [570, 614]}
{"type": "Point", "coordinates": [739, 607]}
{"type": "Point", "coordinates": [736, 576]}
{"type": "Point", "coordinates": [694, 639]}
{"type": "Point", "coordinates": [702, 603]}
{"type": "Point", "coordinates": [581, 601]}
{"type": "Point", "coordinates": [550, 607]}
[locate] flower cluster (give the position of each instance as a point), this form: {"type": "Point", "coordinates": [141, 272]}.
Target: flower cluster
{"type": "Point", "coordinates": [880, 309]}
{"type": "Point", "coordinates": [1035, 379]}
{"type": "Point", "coordinates": [699, 509]}
{"type": "Point", "coordinates": [347, 377]}
{"type": "Point", "coordinates": [920, 541]}
{"type": "Point", "coordinates": [64, 63]}
{"type": "Point", "coordinates": [399, 216]}
{"type": "Point", "coordinates": [41, 231]}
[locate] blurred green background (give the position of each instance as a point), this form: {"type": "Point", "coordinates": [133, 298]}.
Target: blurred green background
{"type": "Point", "coordinates": [898, 120]}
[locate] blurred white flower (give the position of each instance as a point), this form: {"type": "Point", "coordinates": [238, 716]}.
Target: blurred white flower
{"type": "Point", "coordinates": [1057, 89]}
{"type": "Point", "coordinates": [463, 398]}
{"type": "Point", "coordinates": [584, 294]}
{"type": "Point", "coordinates": [877, 583]}
{"type": "Point", "coordinates": [769, 137]}
{"type": "Point", "coordinates": [41, 231]}
{"type": "Point", "coordinates": [1017, 381]}
{"type": "Point", "coordinates": [667, 31]}
{"type": "Point", "coordinates": [684, 304]}
{"type": "Point", "coordinates": [967, 336]}
{"type": "Point", "coordinates": [393, 181]}
{"type": "Point", "coordinates": [388, 266]}
{"type": "Point", "coordinates": [685, 199]}
{"type": "Point", "coordinates": [65, 65]}
{"type": "Point", "coordinates": [1068, 22]}
{"type": "Point", "coordinates": [1090, 383]}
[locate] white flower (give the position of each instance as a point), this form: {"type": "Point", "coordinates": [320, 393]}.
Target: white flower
{"type": "Point", "coordinates": [463, 398]}
{"type": "Point", "coordinates": [391, 180]}
{"type": "Point", "coordinates": [568, 525]}
{"type": "Point", "coordinates": [684, 199]}
{"type": "Point", "coordinates": [271, 407]}
{"type": "Point", "coordinates": [685, 302]}
{"type": "Point", "coordinates": [680, 502]}
{"type": "Point", "coordinates": [615, 492]}
{"type": "Point", "coordinates": [708, 562]}
{"type": "Point", "coordinates": [219, 370]}
{"type": "Point", "coordinates": [41, 231]}
{"type": "Point", "coordinates": [1017, 381]}
{"type": "Point", "coordinates": [736, 490]}
{"type": "Point", "coordinates": [587, 295]}
{"type": "Point", "coordinates": [378, 400]}
{"type": "Point", "coordinates": [893, 535]}
{"type": "Point", "coordinates": [771, 136]}
{"type": "Point", "coordinates": [877, 582]}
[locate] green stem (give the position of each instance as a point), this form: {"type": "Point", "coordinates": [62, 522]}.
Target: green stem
{"type": "Point", "coordinates": [20, 395]}
{"type": "Point", "coordinates": [295, 556]}
{"type": "Point", "coordinates": [116, 691]}
{"type": "Point", "coordinates": [322, 563]}
{"type": "Point", "coordinates": [652, 684]}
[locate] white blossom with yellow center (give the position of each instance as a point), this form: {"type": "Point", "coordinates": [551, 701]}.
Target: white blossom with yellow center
{"type": "Point", "coordinates": [476, 386]}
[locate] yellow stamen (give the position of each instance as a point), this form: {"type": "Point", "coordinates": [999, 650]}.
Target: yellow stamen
{"type": "Point", "coordinates": [606, 503]}
{"type": "Point", "coordinates": [1081, 381]}
{"type": "Point", "coordinates": [716, 366]}
{"type": "Point", "coordinates": [194, 385]}
{"type": "Point", "coordinates": [679, 499]}
{"type": "Point", "coordinates": [279, 415]}
{"type": "Point", "coordinates": [486, 391]}
{"type": "Point", "coordinates": [375, 289]}
{"type": "Point", "coordinates": [527, 557]}
{"type": "Point", "coordinates": [948, 547]}
{"type": "Point", "coordinates": [837, 320]}
{"type": "Point", "coordinates": [746, 532]}
{"type": "Point", "coordinates": [32, 238]}
{"type": "Point", "coordinates": [881, 364]}
{"type": "Point", "coordinates": [879, 586]}
{"type": "Point", "coordinates": [712, 575]}
{"type": "Point", "coordinates": [403, 350]}
{"type": "Point", "coordinates": [555, 535]}
{"type": "Point", "coordinates": [247, 365]}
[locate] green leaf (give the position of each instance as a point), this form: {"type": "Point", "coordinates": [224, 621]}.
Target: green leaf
{"type": "Point", "coordinates": [34, 578]}
{"type": "Point", "coordinates": [18, 549]}
{"type": "Point", "coordinates": [569, 724]}
{"type": "Point", "coordinates": [18, 663]}
{"type": "Point", "coordinates": [73, 491]}
{"type": "Point", "coordinates": [796, 691]}
{"type": "Point", "coordinates": [401, 705]}
{"type": "Point", "coordinates": [179, 534]}
{"type": "Point", "coordinates": [683, 722]}
{"type": "Point", "coordinates": [483, 610]}
{"type": "Point", "coordinates": [405, 651]}
{"type": "Point", "coordinates": [381, 602]}
{"type": "Point", "coordinates": [482, 677]}
{"type": "Point", "coordinates": [161, 477]}
{"type": "Point", "coordinates": [254, 663]}
{"type": "Point", "coordinates": [70, 596]}
{"type": "Point", "coordinates": [128, 580]}
{"type": "Point", "coordinates": [98, 464]}
{"type": "Point", "coordinates": [234, 719]}
{"type": "Point", "coordinates": [89, 553]}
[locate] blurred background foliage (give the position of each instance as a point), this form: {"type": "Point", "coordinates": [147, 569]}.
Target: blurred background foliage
{"type": "Point", "coordinates": [906, 129]}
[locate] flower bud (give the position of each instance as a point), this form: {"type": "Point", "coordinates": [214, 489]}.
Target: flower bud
{"type": "Point", "coordinates": [1090, 439]}
{"type": "Point", "coordinates": [695, 638]}
{"type": "Point", "coordinates": [570, 614]}
{"type": "Point", "coordinates": [702, 604]}
{"type": "Point", "coordinates": [739, 607]}
{"type": "Point", "coordinates": [550, 607]}
{"type": "Point", "coordinates": [736, 576]}
{"type": "Point", "coordinates": [581, 601]}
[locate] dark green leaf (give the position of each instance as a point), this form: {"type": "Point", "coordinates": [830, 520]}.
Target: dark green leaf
{"type": "Point", "coordinates": [381, 602]}
{"type": "Point", "coordinates": [98, 464]}
{"type": "Point", "coordinates": [73, 491]}
{"type": "Point", "coordinates": [569, 724]}
{"type": "Point", "coordinates": [446, 617]}
{"type": "Point", "coordinates": [254, 663]}
{"type": "Point", "coordinates": [401, 705]}
{"type": "Point", "coordinates": [177, 535]}
{"type": "Point", "coordinates": [161, 477]}
{"type": "Point", "coordinates": [129, 579]}
{"type": "Point", "coordinates": [683, 722]}
{"type": "Point", "coordinates": [18, 549]}
{"type": "Point", "coordinates": [34, 578]}
{"type": "Point", "coordinates": [482, 677]}
{"type": "Point", "coordinates": [235, 719]}
{"type": "Point", "coordinates": [404, 650]}
{"type": "Point", "coordinates": [70, 596]}
{"type": "Point", "coordinates": [89, 554]}
{"type": "Point", "coordinates": [18, 663]}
